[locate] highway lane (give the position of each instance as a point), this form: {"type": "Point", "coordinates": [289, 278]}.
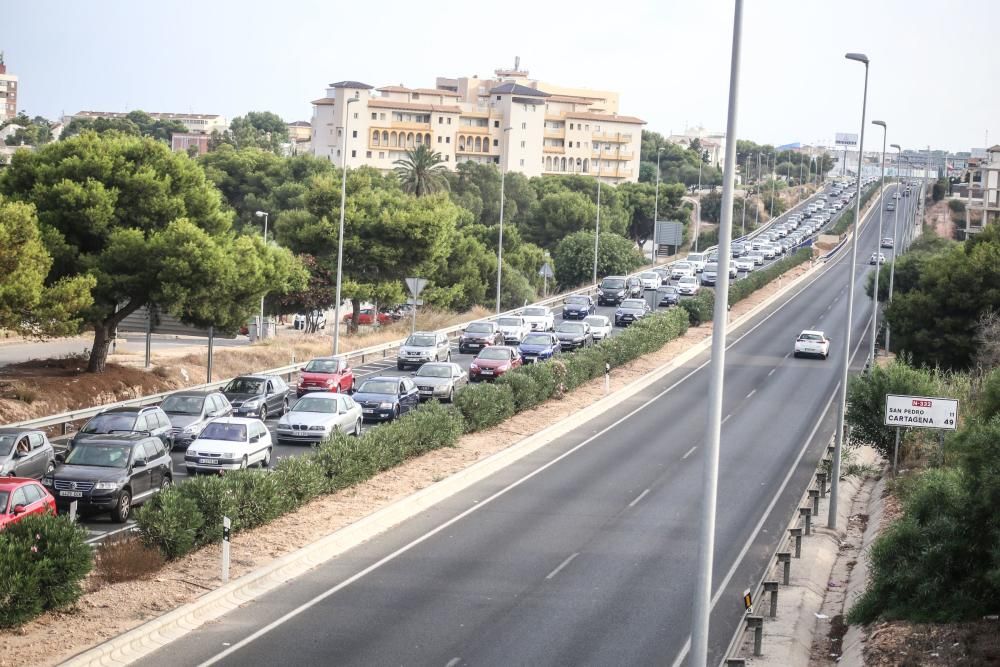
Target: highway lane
{"type": "Point", "coordinates": [589, 560]}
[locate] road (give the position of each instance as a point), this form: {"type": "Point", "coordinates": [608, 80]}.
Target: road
{"type": "Point", "coordinates": [584, 552]}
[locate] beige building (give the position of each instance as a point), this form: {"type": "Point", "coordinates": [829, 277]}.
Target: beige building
{"type": "Point", "coordinates": [195, 123]}
{"type": "Point", "coordinates": [983, 204]}
{"type": "Point", "coordinates": [713, 144]}
{"type": "Point", "coordinates": [513, 122]}
{"type": "Point", "coordinates": [8, 92]}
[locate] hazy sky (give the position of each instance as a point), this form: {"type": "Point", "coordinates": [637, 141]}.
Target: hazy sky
{"type": "Point", "coordinates": [934, 78]}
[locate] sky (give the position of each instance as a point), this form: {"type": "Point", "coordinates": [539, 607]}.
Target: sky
{"type": "Point", "coordinates": [932, 76]}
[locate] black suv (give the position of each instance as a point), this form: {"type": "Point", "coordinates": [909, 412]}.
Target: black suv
{"type": "Point", "coordinates": [148, 420]}
{"type": "Point", "coordinates": [111, 473]}
{"type": "Point", "coordinates": [257, 396]}
{"type": "Point", "coordinates": [189, 411]}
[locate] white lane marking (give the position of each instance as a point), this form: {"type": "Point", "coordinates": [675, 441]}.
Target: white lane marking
{"type": "Point", "coordinates": [771, 372]}
{"type": "Point", "coordinates": [727, 418]}
{"type": "Point", "coordinates": [638, 498]}
{"type": "Point", "coordinates": [108, 534]}
{"type": "Point", "coordinates": [690, 451]}
{"type": "Point", "coordinates": [562, 565]}
{"type": "Point", "coordinates": [752, 392]}
{"type": "Point", "coordinates": [453, 662]}
{"type": "Point", "coordinates": [788, 355]}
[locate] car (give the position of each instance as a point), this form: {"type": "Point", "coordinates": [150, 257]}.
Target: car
{"type": "Point", "coordinates": [441, 380]}
{"type": "Point", "coordinates": [317, 318]}
{"type": "Point", "coordinates": [513, 328]}
{"type": "Point", "coordinates": [876, 258]}
{"type": "Point", "coordinates": [680, 269]}
{"type": "Point", "coordinates": [757, 257]}
{"type": "Point", "coordinates": [257, 396]}
{"type": "Point", "coordinates": [891, 206]}
{"type": "Point", "coordinates": [325, 374]}
{"type": "Point", "coordinates": [421, 347]}
{"type": "Point", "coordinates": [385, 398]}
{"type": "Point", "coordinates": [649, 280]}
{"type": "Point", "coordinates": [710, 273]}
{"type": "Point", "coordinates": [600, 326]}
{"type": "Point", "coordinates": [688, 286]}
{"type": "Point", "coordinates": [887, 242]}
{"type": "Point", "coordinates": [579, 306]}
{"type": "Point", "coordinates": [667, 295]}
{"type": "Point", "coordinates": [896, 195]}
{"type": "Point", "coordinates": [367, 317]}
{"type": "Point", "coordinates": [230, 443]}
{"type": "Point", "coordinates": [574, 335]}
{"type": "Point", "coordinates": [315, 417]}
{"type": "Point", "coordinates": [189, 411]}
{"type": "Point", "coordinates": [812, 344]}
{"type": "Point", "coordinates": [906, 192]}
{"type": "Point", "coordinates": [478, 335]}
{"type": "Point", "coordinates": [111, 474]}
{"type": "Point", "coordinates": [539, 346]}
{"type": "Point", "coordinates": [769, 250]}
{"type": "Point", "coordinates": [25, 452]}
{"type": "Point", "coordinates": [633, 286]}
{"type": "Point", "coordinates": [493, 362]}
{"type": "Point", "coordinates": [664, 274]}
{"type": "Point", "coordinates": [539, 318]}
{"type": "Point", "coordinates": [743, 264]}
{"type": "Point", "coordinates": [632, 310]}
{"type": "Point", "coordinates": [150, 420]}
{"type": "Point", "coordinates": [697, 260]}
{"type": "Point", "coordinates": [21, 497]}
{"type": "Point", "coordinates": [612, 290]}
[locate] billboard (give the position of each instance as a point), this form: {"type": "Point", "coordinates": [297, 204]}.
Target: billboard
{"type": "Point", "coordinates": [846, 139]}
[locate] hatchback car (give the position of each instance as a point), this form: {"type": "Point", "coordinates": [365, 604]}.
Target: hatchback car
{"type": "Point", "coordinates": [386, 398]}
{"type": "Point", "coordinates": [231, 443]}
{"type": "Point", "coordinates": [493, 362]}
{"type": "Point", "coordinates": [479, 335]}
{"type": "Point", "coordinates": [25, 453]}
{"type": "Point", "coordinates": [189, 411]}
{"type": "Point", "coordinates": [316, 416]}
{"type": "Point", "coordinates": [887, 242]}
{"type": "Point", "coordinates": [743, 264]}
{"type": "Point", "coordinates": [539, 346]}
{"type": "Point", "coordinates": [650, 279]}
{"type": "Point", "coordinates": [325, 374]}
{"type": "Point", "coordinates": [21, 497]}
{"type": "Point", "coordinates": [539, 318]}
{"type": "Point", "coordinates": [574, 335]}
{"type": "Point", "coordinates": [631, 310]}
{"type": "Point", "coordinates": [600, 326]}
{"type": "Point", "coordinates": [876, 258]}
{"type": "Point", "coordinates": [257, 396]}
{"type": "Point", "coordinates": [514, 328]}
{"type": "Point", "coordinates": [681, 269]}
{"type": "Point", "coordinates": [812, 344]}
{"type": "Point", "coordinates": [579, 306]}
{"type": "Point", "coordinates": [441, 380]}
{"type": "Point", "coordinates": [148, 420]}
{"type": "Point", "coordinates": [421, 347]}
{"type": "Point", "coordinates": [688, 286]}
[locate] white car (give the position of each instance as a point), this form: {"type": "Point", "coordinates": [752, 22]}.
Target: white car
{"type": "Point", "coordinates": [300, 320]}
{"type": "Point", "coordinates": [539, 318]}
{"type": "Point", "coordinates": [743, 264]}
{"type": "Point", "coordinates": [514, 329]}
{"type": "Point", "coordinates": [600, 326]}
{"type": "Point", "coordinates": [812, 344]}
{"type": "Point", "coordinates": [876, 258]}
{"type": "Point", "coordinates": [314, 418]}
{"type": "Point", "coordinates": [650, 280]}
{"type": "Point", "coordinates": [229, 443]}
{"type": "Point", "coordinates": [681, 269]}
{"type": "Point", "coordinates": [768, 250]}
{"type": "Point", "coordinates": [688, 285]}
{"type": "Point", "coordinates": [697, 260]}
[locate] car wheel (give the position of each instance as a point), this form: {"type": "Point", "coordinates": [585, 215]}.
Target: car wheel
{"type": "Point", "coordinates": [796, 355]}
{"type": "Point", "coordinates": [123, 508]}
{"type": "Point", "coordinates": [451, 395]}
{"type": "Point", "coordinates": [395, 413]}
{"type": "Point", "coordinates": [165, 484]}
{"type": "Point", "coordinates": [263, 413]}
{"type": "Point", "coordinates": [266, 461]}
{"type": "Point", "coordinates": [357, 428]}
{"type": "Point", "coordinates": [400, 367]}
{"type": "Point", "coordinates": [243, 463]}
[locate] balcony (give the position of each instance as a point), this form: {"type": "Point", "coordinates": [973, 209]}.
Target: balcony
{"type": "Point", "coordinates": [473, 129]}
{"type": "Point", "coordinates": [553, 133]}
{"type": "Point", "coordinates": [403, 125]}
{"type": "Point", "coordinates": [612, 137]}
{"type": "Point", "coordinates": [554, 149]}
{"type": "Point", "coordinates": [613, 155]}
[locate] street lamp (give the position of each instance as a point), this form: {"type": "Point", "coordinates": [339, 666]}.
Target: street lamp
{"type": "Point", "coordinates": [895, 242]}
{"type": "Point", "coordinates": [260, 329]}
{"type": "Point", "coordinates": [697, 221]}
{"type": "Point", "coordinates": [340, 243]}
{"type": "Point", "coordinates": [878, 241]}
{"type": "Point", "coordinates": [503, 173]}
{"type": "Point", "coordinates": [656, 206]}
{"type": "Point", "coordinates": [771, 175]}
{"type": "Point", "coordinates": [844, 358]}
{"type": "Point", "coordinates": [597, 227]}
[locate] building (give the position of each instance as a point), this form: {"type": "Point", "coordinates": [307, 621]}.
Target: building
{"type": "Point", "coordinates": [182, 142]}
{"type": "Point", "coordinates": [510, 121]}
{"type": "Point", "coordinates": [8, 92]}
{"type": "Point", "coordinates": [299, 137]}
{"type": "Point", "coordinates": [713, 144]}
{"type": "Point", "coordinates": [982, 206]}
{"type": "Point", "coordinates": [195, 123]}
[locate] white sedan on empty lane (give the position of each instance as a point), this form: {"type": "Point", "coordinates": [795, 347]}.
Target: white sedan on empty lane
{"type": "Point", "coordinates": [812, 344]}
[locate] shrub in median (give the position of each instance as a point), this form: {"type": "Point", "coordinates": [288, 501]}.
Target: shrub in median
{"type": "Point", "coordinates": [741, 289]}
{"type": "Point", "coordinates": [214, 501]}
{"type": "Point", "coordinates": [699, 308]}
{"type": "Point", "coordinates": [485, 405]}
{"type": "Point", "coordinates": [170, 522]}
{"type": "Point", "coordinates": [301, 477]}
{"type": "Point", "coordinates": [259, 497]}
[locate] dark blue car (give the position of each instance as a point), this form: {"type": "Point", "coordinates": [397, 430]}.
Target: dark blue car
{"type": "Point", "coordinates": [386, 398]}
{"type": "Point", "coordinates": [539, 346]}
{"type": "Point", "coordinates": [578, 307]}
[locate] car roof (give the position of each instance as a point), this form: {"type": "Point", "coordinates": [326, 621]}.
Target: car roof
{"type": "Point", "coordinates": [331, 358]}
{"type": "Point", "coordinates": [200, 393]}
{"type": "Point", "coordinates": [116, 438]}
{"type": "Point", "coordinates": [127, 408]}
{"type": "Point", "coordinates": [242, 420]}
{"type": "Point", "coordinates": [311, 394]}
{"type": "Point", "coordinates": [424, 333]}
{"type": "Point", "coordinates": [7, 483]}
{"type": "Point", "coordinates": [255, 376]}
{"type": "Point", "coordinates": [390, 378]}
{"type": "Point", "coordinates": [813, 331]}
{"type": "Point", "coordinates": [14, 430]}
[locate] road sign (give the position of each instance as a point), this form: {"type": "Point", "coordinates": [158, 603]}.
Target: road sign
{"type": "Point", "coordinates": [669, 233]}
{"type": "Point", "coordinates": [846, 139]}
{"type": "Point", "coordinates": [921, 412]}
{"type": "Point", "coordinates": [416, 285]}
{"type": "Point", "coordinates": [747, 601]}
{"type": "Point", "coordinates": [546, 271]}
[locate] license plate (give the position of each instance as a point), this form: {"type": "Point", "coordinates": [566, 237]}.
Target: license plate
{"type": "Point", "coordinates": [71, 494]}
{"type": "Point", "coordinates": [210, 462]}
{"type": "Point", "coordinates": [487, 372]}
{"type": "Point", "coordinates": [368, 411]}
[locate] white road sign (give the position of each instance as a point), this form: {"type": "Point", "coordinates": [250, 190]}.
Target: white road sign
{"type": "Point", "coordinates": [921, 412]}
{"type": "Point", "coordinates": [846, 139]}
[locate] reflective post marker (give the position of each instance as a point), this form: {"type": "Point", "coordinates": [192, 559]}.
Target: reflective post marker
{"type": "Point", "coordinates": [226, 525]}
{"type": "Point", "coordinates": [607, 378]}
{"type": "Point", "coordinates": [72, 512]}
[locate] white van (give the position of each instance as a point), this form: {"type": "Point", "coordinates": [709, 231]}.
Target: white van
{"type": "Point", "coordinates": [697, 260]}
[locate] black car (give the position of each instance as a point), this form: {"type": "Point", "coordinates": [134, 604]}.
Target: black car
{"type": "Point", "coordinates": [668, 295]}
{"type": "Point", "coordinates": [630, 311]}
{"type": "Point", "coordinates": [386, 398]}
{"type": "Point", "coordinates": [612, 290]}
{"type": "Point", "coordinates": [148, 420]}
{"type": "Point", "coordinates": [25, 452]}
{"type": "Point", "coordinates": [257, 396]}
{"type": "Point", "coordinates": [189, 411]}
{"type": "Point", "coordinates": [479, 335]}
{"type": "Point", "coordinates": [110, 474]}
{"type": "Point", "coordinates": [574, 335]}
{"type": "Point", "coordinates": [578, 307]}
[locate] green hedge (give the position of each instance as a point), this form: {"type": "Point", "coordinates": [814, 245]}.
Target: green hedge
{"type": "Point", "coordinates": [741, 289]}
{"type": "Point", "coordinates": [699, 308]}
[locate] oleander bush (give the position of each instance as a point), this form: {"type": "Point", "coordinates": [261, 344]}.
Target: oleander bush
{"type": "Point", "coordinates": [170, 522]}
{"type": "Point", "coordinates": [485, 405]}
{"type": "Point", "coordinates": [699, 308]}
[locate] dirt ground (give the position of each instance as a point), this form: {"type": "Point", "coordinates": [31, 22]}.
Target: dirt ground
{"type": "Point", "coordinates": [900, 644]}
{"type": "Point", "coordinates": [939, 215]}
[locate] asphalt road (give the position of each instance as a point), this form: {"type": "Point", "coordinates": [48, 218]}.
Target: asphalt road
{"type": "Point", "coordinates": [584, 552]}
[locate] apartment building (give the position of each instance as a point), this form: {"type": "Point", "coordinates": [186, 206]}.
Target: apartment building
{"type": "Point", "coordinates": [195, 123]}
{"type": "Point", "coordinates": [8, 92]}
{"type": "Point", "coordinates": [509, 121]}
{"type": "Point", "coordinates": [983, 204]}
{"type": "Point", "coordinates": [713, 144]}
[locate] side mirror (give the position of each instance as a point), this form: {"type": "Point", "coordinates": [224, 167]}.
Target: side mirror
{"type": "Point", "coordinates": [139, 463]}
{"type": "Point", "coordinates": [19, 454]}
{"type": "Point", "coordinates": [60, 457]}
{"type": "Point", "coordinates": [255, 438]}
{"type": "Point", "coordinates": [19, 509]}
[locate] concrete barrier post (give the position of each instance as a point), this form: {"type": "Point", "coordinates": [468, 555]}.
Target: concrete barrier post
{"type": "Point", "coordinates": [736, 662]}
{"type": "Point", "coordinates": [797, 536]}
{"type": "Point", "coordinates": [806, 514]}
{"type": "Point", "coordinates": [785, 558]}
{"type": "Point", "coordinates": [814, 497]}
{"type": "Point", "coordinates": [821, 480]}
{"type": "Point", "coordinates": [772, 588]}
{"type": "Point", "coordinates": [756, 623]}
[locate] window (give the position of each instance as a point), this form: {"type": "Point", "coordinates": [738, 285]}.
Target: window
{"type": "Point", "coordinates": [354, 153]}
{"type": "Point", "coordinates": [374, 115]}
{"type": "Point", "coordinates": [381, 155]}
{"type": "Point", "coordinates": [440, 120]}
{"type": "Point", "coordinates": [522, 163]}
{"type": "Point", "coordinates": [35, 440]}
{"type": "Point", "coordinates": [496, 123]}
{"type": "Point", "coordinates": [447, 158]}
{"type": "Point", "coordinates": [354, 134]}
{"type": "Point", "coordinates": [33, 493]}
{"type": "Point", "coordinates": [449, 121]}
{"type": "Point", "coordinates": [498, 98]}
{"type": "Point", "coordinates": [522, 144]}
{"type": "Point", "coordinates": [447, 140]}
{"type": "Point", "coordinates": [440, 139]}
{"type": "Point", "coordinates": [587, 127]}
{"type": "Point", "coordinates": [496, 142]}
{"type": "Point", "coordinates": [148, 451]}
{"type": "Point", "coordinates": [571, 126]}
{"type": "Point", "coordinates": [381, 116]}
{"type": "Point", "coordinates": [340, 132]}
{"type": "Point", "coordinates": [368, 153]}
{"type": "Point", "coordinates": [18, 498]}
{"type": "Point", "coordinates": [355, 116]}
{"type": "Point", "coordinates": [338, 152]}
{"type": "Point", "coordinates": [524, 126]}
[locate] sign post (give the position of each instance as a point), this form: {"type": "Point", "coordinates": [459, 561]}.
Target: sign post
{"type": "Point", "coordinates": [416, 286]}
{"type": "Point", "coordinates": [668, 233]}
{"type": "Point", "coordinates": [226, 526]}
{"type": "Point", "coordinates": [546, 272]}
{"type": "Point", "coordinates": [920, 412]}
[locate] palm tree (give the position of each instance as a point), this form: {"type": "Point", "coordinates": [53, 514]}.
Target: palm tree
{"type": "Point", "coordinates": [422, 171]}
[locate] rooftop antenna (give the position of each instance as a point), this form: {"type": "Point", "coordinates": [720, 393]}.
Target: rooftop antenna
{"type": "Point", "coordinates": [517, 63]}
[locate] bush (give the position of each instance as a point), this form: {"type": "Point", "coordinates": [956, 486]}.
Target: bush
{"type": "Point", "coordinates": [847, 219]}
{"type": "Point", "coordinates": [126, 559]}
{"type": "Point", "coordinates": [699, 308]}
{"type": "Point", "coordinates": [258, 496]}
{"type": "Point", "coordinates": [170, 522]}
{"type": "Point", "coordinates": [214, 501]}
{"type": "Point", "coordinates": [485, 405]}
{"type": "Point", "coordinates": [301, 477]}
{"type": "Point", "coordinates": [530, 385]}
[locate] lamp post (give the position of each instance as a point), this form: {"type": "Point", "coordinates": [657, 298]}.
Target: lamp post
{"type": "Point", "coordinates": [261, 328]}
{"type": "Point", "coordinates": [503, 173]}
{"type": "Point", "coordinates": [756, 207]}
{"type": "Point", "coordinates": [895, 243]}
{"type": "Point", "coordinates": [656, 206]}
{"type": "Point", "coordinates": [844, 357]}
{"type": "Point", "coordinates": [771, 174]}
{"type": "Point", "coordinates": [597, 226]}
{"type": "Point", "coordinates": [697, 221]}
{"type": "Point", "coordinates": [745, 197]}
{"type": "Point", "coordinates": [340, 242]}
{"type": "Point", "coordinates": [878, 242]}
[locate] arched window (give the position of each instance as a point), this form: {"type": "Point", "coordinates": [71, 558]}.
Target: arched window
{"type": "Point", "coordinates": [385, 137]}
{"type": "Point", "coordinates": [461, 143]}
{"type": "Point", "coordinates": [579, 164]}
{"type": "Point", "coordinates": [586, 165]}
{"type": "Point", "coordinates": [420, 139]}
{"type": "Point", "coordinates": [427, 139]}
{"type": "Point", "coordinates": [375, 137]}
{"type": "Point", "coordinates": [562, 166]}
{"type": "Point", "coordinates": [392, 139]}
{"type": "Point", "coordinates": [548, 163]}
{"type": "Point", "coordinates": [479, 145]}
{"type": "Point", "coordinates": [409, 140]}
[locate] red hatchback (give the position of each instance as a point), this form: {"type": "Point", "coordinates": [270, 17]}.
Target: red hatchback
{"type": "Point", "coordinates": [325, 374]}
{"type": "Point", "coordinates": [21, 497]}
{"type": "Point", "coordinates": [493, 362]}
{"type": "Point", "coordinates": [367, 317]}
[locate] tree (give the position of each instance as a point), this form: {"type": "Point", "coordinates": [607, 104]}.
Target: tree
{"type": "Point", "coordinates": [319, 292]}
{"type": "Point", "coordinates": [574, 258]}
{"type": "Point", "coordinates": [422, 171]}
{"type": "Point", "coordinates": [101, 125]}
{"type": "Point", "coordinates": [147, 228]}
{"type": "Point", "coordinates": [942, 187]}
{"type": "Point", "coordinates": [31, 131]}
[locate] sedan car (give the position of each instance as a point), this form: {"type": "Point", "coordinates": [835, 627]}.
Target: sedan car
{"type": "Point", "coordinates": [21, 497]}
{"type": "Point", "coordinates": [514, 328]}
{"type": "Point", "coordinates": [743, 264]}
{"type": "Point", "coordinates": [257, 395]}
{"type": "Point", "coordinates": [325, 374]}
{"type": "Point", "coordinates": [367, 317]}
{"type": "Point", "coordinates": [441, 380]}
{"type": "Point", "coordinates": [493, 362]}
{"type": "Point", "coordinates": [709, 274]}
{"type": "Point", "coordinates": [189, 411]}
{"type": "Point", "coordinates": [876, 258]}
{"type": "Point", "coordinates": [688, 286]}
{"type": "Point", "coordinates": [574, 335]}
{"type": "Point", "coordinates": [631, 310]}
{"type": "Point", "coordinates": [421, 347]}
{"type": "Point", "coordinates": [479, 335]}
{"type": "Point", "coordinates": [232, 443]}
{"type": "Point", "coordinates": [539, 318]}
{"type": "Point", "coordinates": [579, 306]}
{"type": "Point", "coordinates": [812, 344]}
{"type": "Point", "coordinates": [887, 242]}
{"type": "Point", "coordinates": [757, 257]}
{"type": "Point", "coordinates": [25, 452]}
{"type": "Point", "coordinates": [539, 346]}
{"type": "Point", "coordinates": [667, 295]}
{"type": "Point", "coordinates": [386, 398]}
{"type": "Point", "coordinates": [600, 327]}
{"type": "Point", "coordinates": [313, 418]}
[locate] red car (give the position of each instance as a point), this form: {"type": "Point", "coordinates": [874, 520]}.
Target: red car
{"type": "Point", "coordinates": [367, 316]}
{"type": "Point", "coordinates": [326, 374]}
{"type": "Point", "coordinates": [493, 362]}
{"type": "Point", "coordinates": [21, 497]}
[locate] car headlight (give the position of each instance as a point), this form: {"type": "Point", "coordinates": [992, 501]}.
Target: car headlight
{"type": "Point", "coordinates": [252, 403]}
{"type": "Point", "coordinates": [473, 366]}
{"type": "Point", "coordinates": [46, 481]}
{"type": "Point", "coordinates": [385, 405]}
{"type": "Point", "coordinates": [105, 486]}
{"type": "Point", "coordinates": [191, 429]}
{"type": "Point", "coordinates": [318, 428]}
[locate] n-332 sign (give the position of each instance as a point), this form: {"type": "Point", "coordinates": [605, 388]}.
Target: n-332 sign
{"type": "Point", "coordinates": [921, 412]}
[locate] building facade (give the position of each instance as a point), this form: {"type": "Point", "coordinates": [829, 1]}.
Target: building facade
{"type": "Point", "coordinates": [8, 92]}
{"type": "Point", "coordinates": [510, 121]}
{"type": "Point", "coordinates": [195, 123]}
{"type": "Point", "coordinates": [713, 144]}
{"type": "Point", "coordinates": [983, 204]}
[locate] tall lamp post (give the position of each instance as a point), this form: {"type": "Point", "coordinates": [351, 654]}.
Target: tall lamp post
{"type": "Point", "coordinates": [845, 356]}
{"type": "Point", "coordinates": [261, 329]}
{"type": "Point", "coordinates": [697, 221]}
{"type": "Point", "coordinates": [878, 242]}
{"type": "Point", "coordinates": [656, 205]}
{"type": "Point", "coordinates": [503, 173]}
{"type": "Point", "coordinates": [597, 226]}
{"type": "Point", "coordinates": [895, 243]}
{"type": "Point", "coordinates": [340, 242]}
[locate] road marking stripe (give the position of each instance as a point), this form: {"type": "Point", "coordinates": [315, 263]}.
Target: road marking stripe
{"type": "Point", "coordinates": [110, 533]}
{"type": "Point", "coordinates": [726, 418]}
{"type": "Point", "coordinates": [771, 372]}
{"type": "Point", "coordinates": [689, 452]}
{"type": "Point", "coordinates": [752, 392]}
{"type": "Point", "coordinates": [562, 565]}
{"type": "Point", "coordinates": [453, 662]}
{"type": "Point", "coordinates": [638, 498]}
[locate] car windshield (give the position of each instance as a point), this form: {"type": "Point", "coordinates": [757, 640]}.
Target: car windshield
{"type": "Point", "coordinates": [420, 340]}
{"type": "Point", "coordinates": [712, 267]}
{"type": "Point", "coordinates": [183, 405]}
{"type": "Point", "coordinates": [510, 321]}
{"type": "Point", "coordinates": [810, 336]}
{"type": "Point", "coordinates": [100, 455]}
{"type": "Point", "coordinates": [682, 265]}
{"type": "Point", "coordinates": [649, 275]}
{"type": "Point", "coordinates": [224, 431]}
{"type": "Point", "coordinates": [536, 312]}
{"type": "Point", "coordinates": [378, 387]}
{"type": "Point", "coordinates": [495, 354]}
{"type": "Point", "coordinates": [245, 386]}
{"type": "Point", "coordinates": [571, 327]}
{"type": "Point", "coordinates": [597, 321]}
{"type": "Point", "coordinates": [4, 495]}
{"type": "Point", "coordinates": [479, 327]}
{"type": "Point", "coordinates": [688, 279]}
{"type": "Point", "coordinates": [434, 371]}
{"type": "Point", "coordinates": [316, 404]}
{"type": "Point", "coordinates": [120, 421]}
{"type": "Point", "coordinates": [321, 366]}
{"type": "Point", "coordinates": [633, 303]}
{"type": "Point", "coordinates": [7, 444]}
{"type": "Point", "coordinates": [536, 339]}
{"type": "Point", "coordinates": [581, 300]}
{"type": "Point", "coordinates": [613, 283]}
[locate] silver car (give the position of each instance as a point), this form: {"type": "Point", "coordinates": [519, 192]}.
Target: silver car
{"type": "Point", "coordinates": [314, 417]}
{"type": "Point", "coordinates": [421, 347]}
{"type": "Point", "coordinates": [440, 381]}
{"type": "Point", "coordinates": [514, 329]}
{"type": "Point", "coordinates": [600, 326]}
